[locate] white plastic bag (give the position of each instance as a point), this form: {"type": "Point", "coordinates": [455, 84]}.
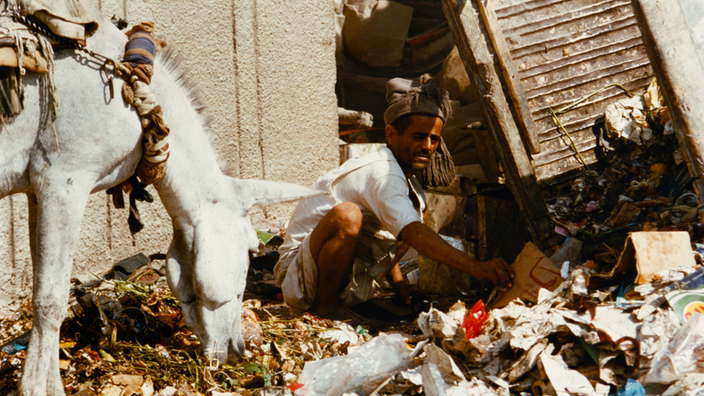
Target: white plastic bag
{"type": "Point", "coordinates": [376, 359]}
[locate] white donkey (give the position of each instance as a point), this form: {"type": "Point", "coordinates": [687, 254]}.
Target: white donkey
{"type": "Point", "coordinates": [99, 142]}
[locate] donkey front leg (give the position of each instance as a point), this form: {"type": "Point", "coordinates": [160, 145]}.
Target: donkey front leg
{"type": "Point", "coordinates": [55, 222]}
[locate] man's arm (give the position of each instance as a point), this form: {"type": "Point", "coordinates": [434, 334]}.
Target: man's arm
{"type": "Point", "coordinates": [410, 295]}
{"type": "Point", "coordinates": [395, 276]}
{"type": "Point", "coordinates": [428, 243]}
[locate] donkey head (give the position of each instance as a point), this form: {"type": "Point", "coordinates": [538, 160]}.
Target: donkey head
{"type": "Point", "coordinates": [211, 288]}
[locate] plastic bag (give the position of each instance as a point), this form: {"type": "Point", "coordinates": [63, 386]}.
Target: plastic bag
{"type": "Point", "coordinates": [632, 388]}
{"type": "Point", "coordinates": [372, 361]}
{"type": "Point", "coordinates": [474, 321]}
{"type": "Point", "coordinates": [567, 256]}
{"type": "Point", "coordinates": [683, 355]}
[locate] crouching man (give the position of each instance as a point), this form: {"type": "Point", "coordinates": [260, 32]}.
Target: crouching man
{"type": "Point", "coordinates": [339, 245]}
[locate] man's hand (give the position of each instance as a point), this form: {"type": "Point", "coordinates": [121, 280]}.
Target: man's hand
{"type": "Point", "coordinates": [496, 270]}
{"type": "Point", "coordinates": [411, 296]}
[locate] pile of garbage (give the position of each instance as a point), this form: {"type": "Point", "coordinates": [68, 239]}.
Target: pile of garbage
{"type": "Point", "coordinates": [641, 183]}
{"type": "Point", "coordinates": [641, 330]}
{"type": "Point", "coordinates": [628, 338]}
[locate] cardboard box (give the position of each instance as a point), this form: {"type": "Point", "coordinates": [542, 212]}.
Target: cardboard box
{"type": "Point", "coordinates": [646, 253]}
{"type": "Point", "coordinates": [533, 272]}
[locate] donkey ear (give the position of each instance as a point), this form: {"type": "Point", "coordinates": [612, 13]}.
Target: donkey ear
{"type": "Point", "coordinates": [263, 192]}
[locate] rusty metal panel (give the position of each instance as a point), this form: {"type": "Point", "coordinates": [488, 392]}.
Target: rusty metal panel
{"type": "Point", "coordinates": [564, 50]}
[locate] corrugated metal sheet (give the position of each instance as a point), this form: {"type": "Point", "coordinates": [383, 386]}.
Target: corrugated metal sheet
{"type": "Point", "coordinates": [564, 50]}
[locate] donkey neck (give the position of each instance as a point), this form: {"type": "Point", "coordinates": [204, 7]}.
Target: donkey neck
{"type": "Point", "coordinates": [192, 177]}
{"type": "Point", "coordinates": [188, 187]}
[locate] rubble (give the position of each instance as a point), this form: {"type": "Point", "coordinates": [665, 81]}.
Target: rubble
{"type": "Point", "coordinates": [567, 343]}
{"type": "Point", "coordinates": [636, 186]}
{"type": "Point", "coordinates": [128, 337]}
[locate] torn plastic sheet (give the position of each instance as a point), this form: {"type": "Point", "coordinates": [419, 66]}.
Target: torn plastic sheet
{"type": "Point", "coordinates": [476, 351]}
{"type": "Point", "coordinates": [412, 376]}
{"type": "Point", "coordinates": [378, 358]}
{"type": "Point", "coordinates": [532, 327]}
{"type": "Point", "coordinates": [691, 384]}
{"type": "Point", "coordinates": [526, 326]}
{"type": "Point", "coordinates": [683, 355]}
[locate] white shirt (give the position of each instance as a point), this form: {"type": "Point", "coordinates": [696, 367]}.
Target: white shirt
{"type": "Point", "coordinates": [375, 182]}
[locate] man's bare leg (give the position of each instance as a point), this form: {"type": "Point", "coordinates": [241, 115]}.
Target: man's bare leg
{"type": "Point", "coordinates": [332, 245]}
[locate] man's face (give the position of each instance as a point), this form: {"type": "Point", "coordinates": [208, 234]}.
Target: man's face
{"type": "Point", "coordinates": [419, 141]}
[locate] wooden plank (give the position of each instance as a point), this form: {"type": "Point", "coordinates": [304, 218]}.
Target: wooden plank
{"type": "Point", "coordinates": [542, 111]}
{"type": "Point", "coordinates": [515, 89]}
{"type": "Point", "coordinates": [482, 245]}
{"type": "Point", "coordinates": [480, 66]}
{"type": "Point", "coordinates": [680, 73]}
{"type": "Point", "coordinates": [574, 15]}
{"type": "Point", "coordinates": [590, 54]}
{"type": "Point", "coordinates": [527, 6]}
{"type": "Point", "coordinates": [539, 45]}
{"type": "Point", "coordinates": [564, 51]}
{"type": "Point", "coordinates": [487, 154]}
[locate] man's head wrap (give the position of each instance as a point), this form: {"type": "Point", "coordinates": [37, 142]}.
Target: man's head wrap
{"type": "Point", "coordinates": [412, 97]}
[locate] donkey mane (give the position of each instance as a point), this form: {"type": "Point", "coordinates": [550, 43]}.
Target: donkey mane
{"type": "Point", "coordinates": [174, 65]}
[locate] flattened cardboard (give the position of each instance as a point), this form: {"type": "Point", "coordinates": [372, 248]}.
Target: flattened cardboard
{"type": "Point", "coordinates": [533, 272]}
{"type": "Point", "coordinates": [646, 253]}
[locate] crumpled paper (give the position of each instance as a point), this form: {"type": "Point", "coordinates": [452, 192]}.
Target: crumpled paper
{"type": "Point", "coordinates": [626, 120]}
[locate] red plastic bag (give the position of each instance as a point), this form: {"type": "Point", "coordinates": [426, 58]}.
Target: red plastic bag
{"type": "Point", "coordinates": [474, 321]}
{"type": "Point", "coordinates": [295, 386]}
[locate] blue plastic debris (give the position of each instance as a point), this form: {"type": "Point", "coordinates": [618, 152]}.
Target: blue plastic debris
{"type": "Point", "coordinates": [632, 388]}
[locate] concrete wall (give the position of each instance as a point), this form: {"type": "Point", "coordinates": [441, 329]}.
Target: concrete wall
{"type": "Point", "coordinates": [266, 70]}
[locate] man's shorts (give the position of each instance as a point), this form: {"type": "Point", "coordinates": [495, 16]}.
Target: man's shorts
{"type": "Point", "coordinates": [373, 258]}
